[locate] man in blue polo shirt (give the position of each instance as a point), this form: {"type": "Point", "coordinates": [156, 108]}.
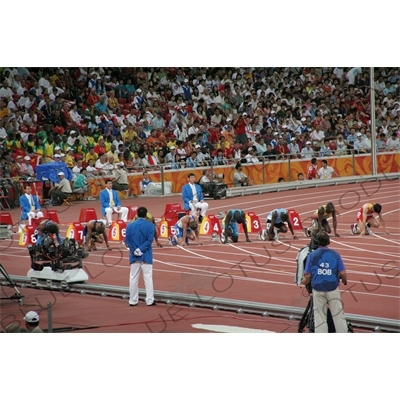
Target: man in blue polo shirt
{"type": "Point", "coordinates": [324, 268]}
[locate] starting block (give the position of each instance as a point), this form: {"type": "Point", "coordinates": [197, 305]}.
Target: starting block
{"type": "Point", "coordinates": [210, 225]}
{"type": "Point", "coordinates": [35, 222]}
{"type": "Point", "coordinates": [117, 231]}
{"type": "Point", "coordinates": [295, 220]}
{"type": "Point", "coordinates": [27, 236]}
{"type": "Point", "coordinates": [51, 214]}
{"type": "Point", "coordinates": [253, 223]}
{"type": "Point", "coordinates": [5, 218]}
{"type": "Point", "coordinates": [172, 207]}
{"type": "Point", "coordinates": [75, 231]}
{"type": "Point", "coordinates": [132, 211]}
{"type": "Point", "coordinates": [87, 214]}
{"type": "Point", "coordinates": [166, 226]}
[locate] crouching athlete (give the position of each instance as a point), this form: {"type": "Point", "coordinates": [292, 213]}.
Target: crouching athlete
{"type": "Point", "coordinates": [278, 219]}
{"type": "Point", "coordinates": [47, 228]}
{"type": "Point", "coordinates": [232, 219]}
{"type": "Point", "coordinates": [94, 232]}
{"type": "Point", "coordinates": [187, 228]}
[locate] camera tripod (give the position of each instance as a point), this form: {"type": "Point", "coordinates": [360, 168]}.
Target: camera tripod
{"type": "Point", "coordinates": [307, 319]}
{"type": "Point", "coordinates": [17, 295]}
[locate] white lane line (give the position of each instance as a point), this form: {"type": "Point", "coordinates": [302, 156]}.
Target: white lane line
{"type": "Point", "coordinates": [229, 329]}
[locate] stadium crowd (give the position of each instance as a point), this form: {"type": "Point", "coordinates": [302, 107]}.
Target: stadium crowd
{"type": "Point", "coordinates": [102, 120]}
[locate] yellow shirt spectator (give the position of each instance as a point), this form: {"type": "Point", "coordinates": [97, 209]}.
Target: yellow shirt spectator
{"type": "Point", "coordinates": [129, 135]}
{"type": "Point", "coordinates": [91, 156]}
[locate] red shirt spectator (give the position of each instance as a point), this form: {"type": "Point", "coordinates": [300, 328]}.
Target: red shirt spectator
{"type": "Point", "coordinates": [312, 169]}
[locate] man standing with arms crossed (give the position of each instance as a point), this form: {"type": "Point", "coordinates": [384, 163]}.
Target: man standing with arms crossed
{"type": "Point", "coordinates": [139, 237]}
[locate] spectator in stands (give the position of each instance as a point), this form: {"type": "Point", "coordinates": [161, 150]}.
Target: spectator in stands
{"type": "Point", "coordinates": [360, 146]}
{"type": "Point", "coordinates": [381, 143]}
{"type": "Point", "coordinates": [325, 150]}
{"type": "Point", "coordinates": [308, 151]}
{"type": "Point", "coordinates": [80, 184]}
{"type": "Point", "coordinates": [192, 161]}
{"type": "Point", "coordinates": [293, 148]}
{"type": "Point", "coordinates": [341, 146]}
{"type": "Point", "coordinates": [393, 143]}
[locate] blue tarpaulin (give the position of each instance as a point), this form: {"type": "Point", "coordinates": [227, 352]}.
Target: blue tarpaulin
{"type": "Point", "coordinates": [50, 171]}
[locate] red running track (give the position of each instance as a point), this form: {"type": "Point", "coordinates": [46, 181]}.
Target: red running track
{"type": "Point", "coordinates": [257, 271]}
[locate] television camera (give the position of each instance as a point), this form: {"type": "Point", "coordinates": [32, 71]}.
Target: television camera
{"type": "Point", "coordinates": [68, 255]}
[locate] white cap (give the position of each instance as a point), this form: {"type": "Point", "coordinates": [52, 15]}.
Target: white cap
{"type": "Point", "coordinates": [60, 173]}
{"type": "Point", "coordinates": [72, 132]}
{"type": "Point", "coordinates": [303, 119]}
{"type": "Point", "coordinates": [68, 149]}
{"type": "Point", "coordinates": [308, 142]}
{"type": "Point", "coordinates": [121, 164]}
{"type": "Point", "coordinates": [284, 126]}
{"type": "Point", "coordinates": [197, 146]}
{"type": "Point", "coordinates": [276, 133]}
{"type": "Point", "coordinates": [62, 155]}
{"type": "Point", "coordinates": [359, 134]}
{"type": "Point", "coordinates": [273, 112]}
{"type": "Point", "coordinates": [186, 80]}
{"type": "Point", "coordinates": [244, 113]}
{"type": "Point", "coordinates": [57, 148]}
{"type": "Point", "coordinates": [172, 148]}
{"type": "Point", "coordinates": [139, 91]}
{"type": "Point", "coordinates": [31, 316]}
{"type": "Point", "coordinates": [56, 156]}
{"type": "Point", "coordinates": [293, 138]}
{"type": "Point", "coordinates": [27, 158]}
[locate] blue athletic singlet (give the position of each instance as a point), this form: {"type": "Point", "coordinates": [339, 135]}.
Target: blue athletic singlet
{"type": "Point", "coordinates": [279, 211]}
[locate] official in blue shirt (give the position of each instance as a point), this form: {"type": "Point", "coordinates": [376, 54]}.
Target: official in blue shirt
{"type": "Point", "coordinates": [139, 238]}
{"type": "Point", "coordinates": [30, 207]}
{"type": "Point", "coordinates": [324, 268]}
{"type": "Point", "coordinates": [192, 196]}
{"type": "Point", "coordinates": [110, 202]}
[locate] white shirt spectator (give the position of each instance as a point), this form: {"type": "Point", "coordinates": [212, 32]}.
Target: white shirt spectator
{"type": "Point", "coordinates": [393, 144]}
{"type": "Point", "coordinates": [317, 136]}
{"type": "Point", "coordinates": [6, 92]}
{"type": "Point", "coordinates": [44, 83]}
{"type": "Point", "coordinates": [325, 173]}
{"type": "Point", "coordinates": [307, 152]}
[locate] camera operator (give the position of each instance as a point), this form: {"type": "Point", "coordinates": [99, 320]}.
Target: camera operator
{"type": "Point", "coordinates": [213, 185]}
{"type": "Point", "coordinates": [324, 269]}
